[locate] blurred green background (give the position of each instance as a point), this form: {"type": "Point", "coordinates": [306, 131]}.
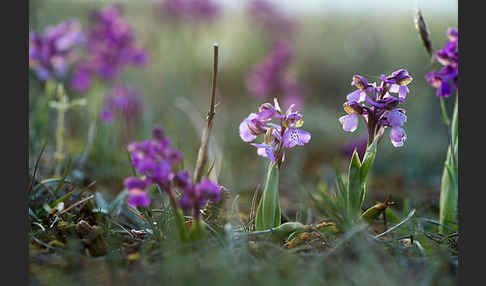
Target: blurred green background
{"type": "Point", "coordinates": [334, 40]}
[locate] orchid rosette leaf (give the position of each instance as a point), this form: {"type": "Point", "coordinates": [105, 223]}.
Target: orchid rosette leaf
{"type": "Point", "coordinates": [277, 138]}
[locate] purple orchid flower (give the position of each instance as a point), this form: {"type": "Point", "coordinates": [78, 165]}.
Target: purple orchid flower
{"type": "Point", "coordinates": [378, 107]}
{"type": "Point", "coordinates": [270, 78]}
{"type": "Point", "coordinates": [445, 80]}
{"type": "Point", "coordinates": [274, 21]}
{"type": "Point", "coordinates": [51, 54]}
{"type": "Point", "coordinates": [277, 137]}
{"type": "Point", "coordinates": [110, 47]}
{"type": "Point", "coordinates": [195, 197]}
{"type": "Point", "coordinates": [190, 10]}
{"type": "Point", "coordinates": [123, 101]}
{"type": "Point", "coordinates": [154, 158]}
{"type": "Point", "coordinates": [137, 195]}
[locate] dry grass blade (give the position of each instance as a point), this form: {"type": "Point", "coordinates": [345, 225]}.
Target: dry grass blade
{"type": "Point", "coordinates": [253, 207]}
{"type": "Point", "coordinates": [76, 204]}
{"type": "Point", "coordinates": [397, 225]}
{"type": "Point", "coordinates": [35, 169]}
{"type": "Point", "coordinates": [202, 154]}
{"type": "Point", "coordinates": [138, 215]}
{"type": "Point", "coordinates": [211, 168]}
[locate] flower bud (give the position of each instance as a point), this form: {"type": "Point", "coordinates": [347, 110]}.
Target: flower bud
{"type": "Point", "coordinates": [352, 107]}
{"type": "Point", "coordinates": [360, 82]}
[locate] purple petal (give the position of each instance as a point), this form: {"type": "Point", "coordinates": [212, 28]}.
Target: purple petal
{"type": "Point", "coordinates": [397, 136]}
{"type": "Point", "coordinates": [394, 88]}
{"type": "Point", "coordinates": [137, 197]}
{"type": "Point", "coordinates": [265, 150]}
{"type": "Point", "coordinates": [106, 115]}
{"type": "Point", "coordinates": [81, 80]}
{"type": "Point", "coordinates": [349, 122]}
{"type": "Point", "coordinates": [402, 92]}
{"type": "Point", "coordinates": [210, 190]}
{"type": "Point", "coordinates": [396, 118]}
{"type": "Point", "coordinates": [357, 95]}
{"type": "Point", "coordinates": [134, 183]}
{"type": "Point", "coordinates": [452, 34]}
{"type": "Point", "coordinates": [295, 136]}
{"type": "Point", "coordinates": [434, 79]}
{"type": "Point", "coordinates": [445, 90]}
{"type": "Point", "coordinates": [245, 133]}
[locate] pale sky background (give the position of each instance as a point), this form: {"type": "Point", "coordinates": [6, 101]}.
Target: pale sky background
{"type": "Point", "coordinates": [356, 6]}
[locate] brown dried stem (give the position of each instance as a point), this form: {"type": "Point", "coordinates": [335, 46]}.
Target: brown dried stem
{"type": "Point", "coordinates": [202, 154]}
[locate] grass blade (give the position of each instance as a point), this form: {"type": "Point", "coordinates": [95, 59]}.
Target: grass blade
{"type": "Point", "coordinates": [66, 172]}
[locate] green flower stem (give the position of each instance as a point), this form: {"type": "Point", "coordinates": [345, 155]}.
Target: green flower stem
{"type": "Point", "coordinates": [449, 187]}
{"type": "Point", "coordinates": [179, 216]}
{"type": "Point", "coordinates": [444, 112]}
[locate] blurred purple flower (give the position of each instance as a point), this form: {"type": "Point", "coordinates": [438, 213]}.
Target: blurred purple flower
{"type": "Point", "coordinates": [194, 198]}
{"type": "Point", "coordinates": [269, 78]}
{"type": "Point", "coordinates": [122, 101]}
{"type": "Point", "coordinates": [277, 137]}
{"type": "Point", "coordinates": [193, 10]}
{"type": "Point", "coordinates": [446, 79]}
{"type": "Point", "coordinates": [377, 106]}
{"type": "Point", "coordinates": [154, 158]}
{"type": "Point", "coordinates": [51, 54]}
{"type": "Point", "coordinates": [138, 197]}
{"type": "Point", "coordinates": [266, 13]}
{"type": "Point", "coordinates": [110, 47]}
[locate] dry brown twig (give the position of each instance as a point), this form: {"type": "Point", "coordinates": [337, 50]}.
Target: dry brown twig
{"type": "Point", "coordinates": [202, 154]}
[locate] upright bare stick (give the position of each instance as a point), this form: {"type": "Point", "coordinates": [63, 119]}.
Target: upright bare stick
{"type": "Point", "coordinates": [202, 154]}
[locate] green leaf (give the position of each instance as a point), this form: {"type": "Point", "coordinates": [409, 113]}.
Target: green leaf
{"type": "Point", "coordinates": [197, 231]}
{"type": "Point", "coordinates": [445, 118]}
{"type": "Point", "coordinates": [368, 160]}
{"type": "Point", "coordinates": [354, 186]}
{"type": "Point", "coordinates": [391, 216]}
{"type": "Point", "coordinates": [268, 212]}
{"type": "Point", "coordinates": [284, 230]}
{"type": "Point", "coordinates": [455, 124]}
{"type": "Point", "coordinates": [61, 199]}
{"type": "Point", "coordinates": [114, 208]}
{"type": "Point", "coordinates": [181, 225]}
{"type": "Point", "coordinates": [66, 172]}
{"type": "Point", "coordinates": [448, 195]}
{"type": "Point", "coordinates": [33, 215]}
